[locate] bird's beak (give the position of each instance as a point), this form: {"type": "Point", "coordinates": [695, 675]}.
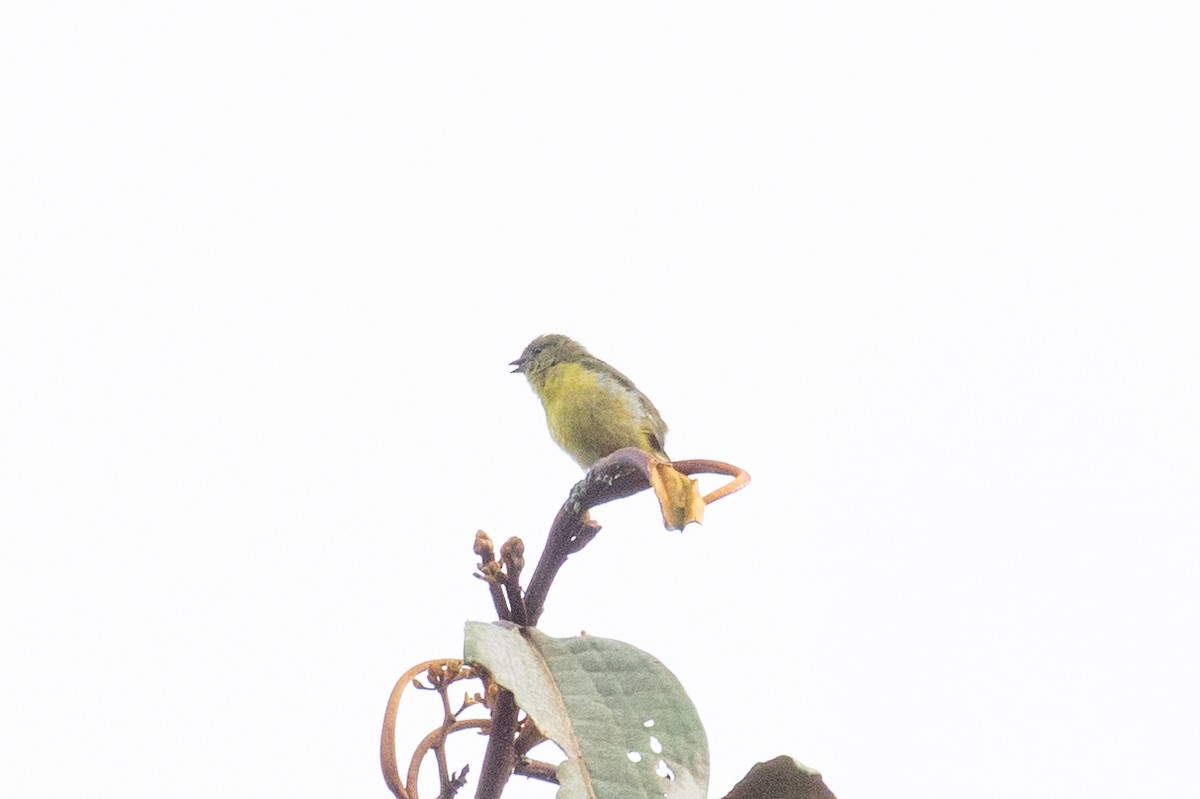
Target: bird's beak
{"type": "Point", "coordinates": [520, 364]}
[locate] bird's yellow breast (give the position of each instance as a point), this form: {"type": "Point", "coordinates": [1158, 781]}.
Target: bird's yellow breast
{"type": "Point", "coordinates": [591, 415]}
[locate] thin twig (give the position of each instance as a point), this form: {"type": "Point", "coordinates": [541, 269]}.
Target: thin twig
{"type": "Point", "coordinates": [512, 555]}
{"type": "Point", "coordinates": [457, 782]}
{"type": "Point", "coordinates": [439, 748]}
{"type": "Point", "coordinates": [437, 738]}
{"type": "Point", "coordinates": [442, 674]}
{"type": "Point", "coordinates": [489, 572]}
{"type": "Point", "coordinates": [538, 770]}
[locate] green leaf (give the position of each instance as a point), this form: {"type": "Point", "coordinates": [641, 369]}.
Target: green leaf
{"type": "Point", "coordinates": [619, 715]}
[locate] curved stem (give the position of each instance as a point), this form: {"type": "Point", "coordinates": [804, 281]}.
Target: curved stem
{"type": "Point", "coordinates": [387, 739]}
{"type": "Point", "coordinates": [741, 478]}
{"type": "Point", "coordinates": [436, 738]}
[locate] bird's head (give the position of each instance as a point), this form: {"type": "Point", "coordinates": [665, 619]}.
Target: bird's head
{"type": "Point", "coordinates": [545, 351]}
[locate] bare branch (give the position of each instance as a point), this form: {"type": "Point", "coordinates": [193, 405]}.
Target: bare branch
{"type": "Point", "coordinates": [499, 756]}
{"type": "Point", "coordinates": [622, 474]}
{"type": "Point", "coordinates": [538, 770]}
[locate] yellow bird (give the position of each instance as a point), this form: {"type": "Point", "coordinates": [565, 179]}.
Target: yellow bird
{"type": "Point", "coordinates": [593, 410]}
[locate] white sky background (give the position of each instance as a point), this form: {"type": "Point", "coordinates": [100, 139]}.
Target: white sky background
{"type": "Point", "coordinates": [930, 274]}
